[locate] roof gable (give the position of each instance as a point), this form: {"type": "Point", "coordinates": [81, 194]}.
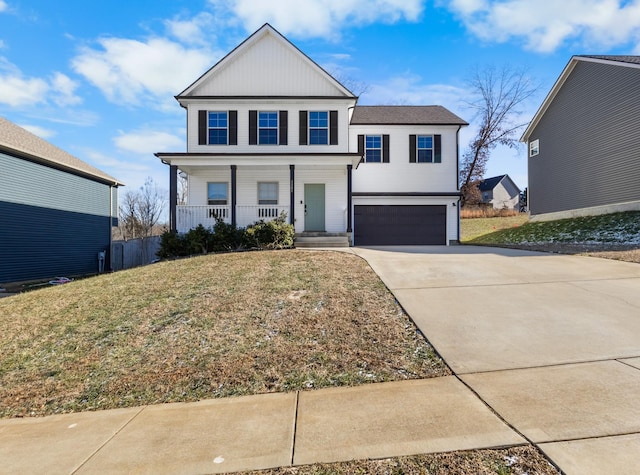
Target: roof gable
{"type": "Point", "coordinates": [489, 184]}
{"type": "Point", "coordinates": [16, 140]}
{"type": "Point", "coordinates": [404, 115]}
{"type": "Point", "coordinates": [616, 61]}
{"type": "Point", "coordinates": [266, 64]}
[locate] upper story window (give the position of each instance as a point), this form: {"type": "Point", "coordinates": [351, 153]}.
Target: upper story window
{"type": "Point", "coordinates": [217, 127]}
{"type": "Point", "coordinates": [217, 193]}
{"type": "Point", "coordinates": [425, 148]}
{"type": "Point", "coordinates": [268, 128]}
{"type": "Point", "coordinates": [373, 149]}
{"type": "Point", "coordinates": [318, 127]}
{"type": "Point", "coordinates": [534, 147]}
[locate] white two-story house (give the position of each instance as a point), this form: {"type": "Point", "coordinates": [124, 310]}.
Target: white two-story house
{"type": "Point", "coordinates": [270, 132]}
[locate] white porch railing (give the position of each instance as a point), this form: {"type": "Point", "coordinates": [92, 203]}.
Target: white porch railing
{"type": "Point", "coordinates": [189, 217]}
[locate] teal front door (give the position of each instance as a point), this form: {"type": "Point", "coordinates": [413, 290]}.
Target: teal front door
{"type": "Point", "coordinates": [314, 207]}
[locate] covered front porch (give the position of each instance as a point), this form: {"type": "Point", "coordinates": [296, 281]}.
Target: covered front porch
{"type": "Point", "coordinates": [312, 191]}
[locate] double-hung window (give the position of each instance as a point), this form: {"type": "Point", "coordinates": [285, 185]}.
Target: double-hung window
{"type": "Point", "coordinates": [268, 128]}
{"type": "Point", "coordinates": [318, 127]}
{"type": "Point", "coordinates": [425, 149]}
{"type": "Point", "coordinates": [268, 193]}
{"type": "Point", "coordinates": [218, 127]}
{"type": "Point", "coordinates": [217, 193]}
{"type": "Point", "coordinates": [373, 149]}
{"type": "Point", "coordinates": [534, 147]}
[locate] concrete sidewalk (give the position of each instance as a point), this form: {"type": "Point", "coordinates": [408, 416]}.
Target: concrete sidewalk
{"type": "Point", "coordinates": [546, 350]}
{"type": "Point", "coordinates": [256, 432]}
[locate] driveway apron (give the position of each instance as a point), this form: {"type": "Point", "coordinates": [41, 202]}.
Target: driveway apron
{"type": "Point", "coordinates": [550, 342]}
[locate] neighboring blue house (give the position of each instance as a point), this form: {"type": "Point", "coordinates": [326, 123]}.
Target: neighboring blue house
{"type": "Point", "coordinates": [56, 212]}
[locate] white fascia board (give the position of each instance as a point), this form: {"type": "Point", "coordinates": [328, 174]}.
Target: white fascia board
{"type": "Point", "coordinates": [264, 161]}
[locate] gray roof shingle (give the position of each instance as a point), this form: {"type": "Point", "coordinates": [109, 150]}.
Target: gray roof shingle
{"type": "Point", "coordinates": [404, 115]}
{"type": "Point", "coordinates": [14, 138]}
{"type": "Point", "coordinates": [618, 58]}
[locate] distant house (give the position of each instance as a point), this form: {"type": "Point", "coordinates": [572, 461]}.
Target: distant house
{"type": "Point", "coordinates": [56, 212]}
{"type": "Point", "coordinates": [270, 132]}
{"type": "Point", "coordinates": [584, 141]}
{"type": "Point", "coordinates": [500, 192]}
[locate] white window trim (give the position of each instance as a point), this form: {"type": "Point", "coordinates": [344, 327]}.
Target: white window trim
{"type": "Point", "coordinates": [373, 148]}
{"type": "Point", "coordinates": [218, 128]}
{"type": "Point", "coordinates": [534, 147]}
{"type": "Point", "coordinates": [277, 127]}
{"type": "Point", "coordinates": [226, 201]}
{"type": "Point", "coordinates": [327, 128]}
{"type": "Point", "coordinates": [277, 192]}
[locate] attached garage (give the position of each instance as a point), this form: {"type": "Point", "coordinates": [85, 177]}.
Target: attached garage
{"type": "Point", "coordinates": [383, 225]}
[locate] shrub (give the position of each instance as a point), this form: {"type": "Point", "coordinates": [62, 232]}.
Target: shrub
{"type": "Point", "coordinates": [275, 234]}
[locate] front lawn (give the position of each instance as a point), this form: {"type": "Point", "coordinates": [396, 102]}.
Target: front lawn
{"type": "Point", "coordinates": [206, 327]}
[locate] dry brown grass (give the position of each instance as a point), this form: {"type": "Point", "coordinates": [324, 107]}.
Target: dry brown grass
{"type": "Point", "coordinates": [212, 326]}
{"type": "Point", "coordinates": [487, 212]}
{"type": "Point", "coordinates": [514, 460]}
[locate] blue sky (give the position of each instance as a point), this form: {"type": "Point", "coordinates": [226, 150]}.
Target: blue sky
{"type": "Point", "coordinates": [97, 79]}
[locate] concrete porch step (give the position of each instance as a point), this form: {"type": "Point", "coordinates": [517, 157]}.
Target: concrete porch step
{"type": "Point", "coordinates": [318, 239]}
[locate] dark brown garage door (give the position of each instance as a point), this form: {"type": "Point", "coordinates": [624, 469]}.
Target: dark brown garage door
{"type": "Point", "coordinates": [400, 225]}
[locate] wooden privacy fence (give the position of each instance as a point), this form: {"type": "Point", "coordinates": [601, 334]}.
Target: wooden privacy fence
{"type": "Point", "coordinates": [134, 253]}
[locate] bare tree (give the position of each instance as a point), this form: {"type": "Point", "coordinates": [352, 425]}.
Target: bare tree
{"type": "Point", "coordinates": [140, 210]}
{"type": "Point", "coordinates": [498, 95]}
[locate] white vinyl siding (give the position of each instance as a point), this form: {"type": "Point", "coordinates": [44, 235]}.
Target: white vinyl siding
{"type": "Point", "coordinates": [400, 176]}
{"type": "Point", "coordinates": [293, 107]}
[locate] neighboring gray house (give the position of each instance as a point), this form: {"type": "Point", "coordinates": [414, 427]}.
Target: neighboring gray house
{"type": "Point", "coordinates": [56, 212]}
{"type": "Point", "coordinates": [584, 141]}
{"type": "Point", "coordinates": [500, 192]}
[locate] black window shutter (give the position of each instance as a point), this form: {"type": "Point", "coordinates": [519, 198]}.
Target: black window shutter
{"type": "Point", "coordinates": [253, 127]}
{"type": "Point", "coordinates": [412, 149]}
{"type": "Point", "coordinates": [361, 146]}
{"type": "Point", "coordinates": [333, 127]}
{"type": "Point", "coordinates": [437, 148]}
{"type": "Point", "coordinates": [283, 124]}
{"type": "Point", "coordinates": [202, 127]}
{"type": "Point", "coordinates": [303, 128]}
{"type": "Point", "coordinates": [385, 148]}
{"type": "Point", "coordinates": [233, 127]}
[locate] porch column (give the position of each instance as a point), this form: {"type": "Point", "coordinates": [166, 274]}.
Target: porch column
{"type": "Point", "coordinates": [349, 217]}
{"type": "Point", "coordinates": [233, 195]}
{"type": "Point", "coordinates": [173, 197]}
{"type": "Point", "coordinates": [292, 198]}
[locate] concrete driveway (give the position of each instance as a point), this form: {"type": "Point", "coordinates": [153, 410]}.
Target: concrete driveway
{"type": "Point", "coordinates": [549, 342]}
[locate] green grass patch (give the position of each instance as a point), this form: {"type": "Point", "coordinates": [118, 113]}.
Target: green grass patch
{"type": "Point", "coordinates": [471, 228]}
{"type": "Point", "coordinates": [616, 228]}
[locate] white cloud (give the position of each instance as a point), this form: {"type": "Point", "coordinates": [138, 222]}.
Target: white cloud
{"type": "Point", "coordinates": [410, 89]}
{"type": "Point", "coordinates": [39, 131]}
{"type": "Point", "coordinates": [320, 18]}
{"type": "Point", "coordinates": [129, 71]}
{"type": "Point", "coordinates": [594, 23]}
{"type": "Point", "coordinates": [16, 90]}
{"type": "Point", "coordinates": [64, 88]}
{"type": "Point", "coordinates": [145, 142]}
{"type": "Point", "coordinates": [196, 31]}
{"type": "Point", "coordinates": [3, 6]}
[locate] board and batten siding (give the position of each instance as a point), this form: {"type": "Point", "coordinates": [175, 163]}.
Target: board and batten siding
{"type": "Point", "coordinates": [52, 223]}
{"type": "Point", "coordinates": [283, 72]}
{"type": "Point", "coordinates": [589, 142]}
